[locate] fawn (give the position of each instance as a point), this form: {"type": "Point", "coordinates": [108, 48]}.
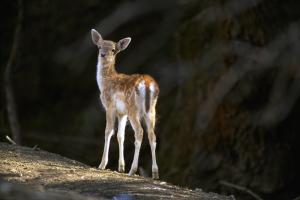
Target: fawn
{"type": "Point", "coordinates": [125, 96]}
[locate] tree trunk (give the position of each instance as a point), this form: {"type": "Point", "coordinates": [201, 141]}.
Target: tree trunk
{"type": "Point", "coordinates": [8, 87]}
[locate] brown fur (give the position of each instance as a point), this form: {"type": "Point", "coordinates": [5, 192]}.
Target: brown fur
{"type": "Point", "coordinates": [126, 85]}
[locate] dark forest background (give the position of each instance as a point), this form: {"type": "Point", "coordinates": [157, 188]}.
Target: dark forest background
{"type": "Point", "coordinates": [229, 73]}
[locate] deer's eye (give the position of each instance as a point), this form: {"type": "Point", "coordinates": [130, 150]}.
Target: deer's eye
{"type": "Point", "coordinates": [113, 50]}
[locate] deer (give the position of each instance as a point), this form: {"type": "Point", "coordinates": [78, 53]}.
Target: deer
{"type": "Point", "coordinates": [125, 97]}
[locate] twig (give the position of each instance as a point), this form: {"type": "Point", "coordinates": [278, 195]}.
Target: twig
{"type": "Point", "coordinates": [35, 148]}
{"type": "Point", "coordinates": [10, 140]}
{"type": "Point", "coordinates": [241, 188]}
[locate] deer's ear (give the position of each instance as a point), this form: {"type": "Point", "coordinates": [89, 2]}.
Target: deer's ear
{"type": "Point", "coordinates": [123, 44]}
{"type": "Point", "coordinates": [96, 37]}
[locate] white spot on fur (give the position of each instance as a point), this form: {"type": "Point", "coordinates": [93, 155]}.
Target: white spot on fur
{"type": "Point", "coordinates": [120, 105]}
{"type": "Point", "coordinates": [141, 97]}
{"type": "Point", "coordinates": [142, 88]}
{"type": "Point", "coordinates": [152, 87]}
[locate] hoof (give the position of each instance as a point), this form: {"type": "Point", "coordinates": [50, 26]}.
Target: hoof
{"type": "Point", "coordinates": [155, 175]}
{"type": "Point", "coordinates": [132, 172]}
{"type": "Point", "coordinates": [101, 167]}
{"type": "Point", "coordinates": [121, 168]}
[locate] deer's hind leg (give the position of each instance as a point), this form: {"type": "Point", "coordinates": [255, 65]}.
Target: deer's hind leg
{"type": "Point", "coordinates": [138, 134]}
{"type": "Point", "coordinates": [150, 124]}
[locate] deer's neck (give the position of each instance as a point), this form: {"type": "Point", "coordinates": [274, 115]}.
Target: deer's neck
{"type": "Point", "coordinates": [105, 70]}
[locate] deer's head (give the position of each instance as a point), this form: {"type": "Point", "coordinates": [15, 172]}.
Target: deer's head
{"type": "Point", "coordinates": [108, 49]}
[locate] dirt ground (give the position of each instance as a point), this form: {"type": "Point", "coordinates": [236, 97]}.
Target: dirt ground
{"type": "Point", "coordinates": [27, 173]}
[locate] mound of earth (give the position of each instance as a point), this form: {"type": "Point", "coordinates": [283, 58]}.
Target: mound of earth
{"type": "Point", "coordinates": [27, 173]}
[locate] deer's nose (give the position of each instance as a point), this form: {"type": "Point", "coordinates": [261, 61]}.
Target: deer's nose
{"type": "Point", "coordinates": [102, 55]}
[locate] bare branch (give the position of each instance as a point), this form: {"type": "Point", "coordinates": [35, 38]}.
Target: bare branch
{"type": "Point", "coordinates": [10, 99]}
{"type": "Point", "coordinates": [232, 8]}
{"type": "Point", "coordinates": [241, 188]}
{"type": "Point", "coordinates": [297, 198]}
{"type": "Point", "coordinates": [251, 58]}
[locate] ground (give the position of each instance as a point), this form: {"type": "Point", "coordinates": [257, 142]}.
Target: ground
{"type": "Point", "coordinates": [37, 174]}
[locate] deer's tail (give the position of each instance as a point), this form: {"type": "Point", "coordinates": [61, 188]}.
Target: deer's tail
{"type": "Point", "coordinates": [147, 99]}
{"type": "Point", "coordinates": [147, 91]}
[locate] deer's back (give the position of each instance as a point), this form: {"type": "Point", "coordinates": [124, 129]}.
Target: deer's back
{"type": "Point", "coordinates": [120, 90]}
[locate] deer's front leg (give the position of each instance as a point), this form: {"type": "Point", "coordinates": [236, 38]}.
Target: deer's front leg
{"type": "Point", "coordinates": [109, 131]}
{"type": "Point", "coordinates": [121, 136]}
{"type": "Point", "coordinates": [138, 134]}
